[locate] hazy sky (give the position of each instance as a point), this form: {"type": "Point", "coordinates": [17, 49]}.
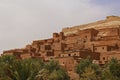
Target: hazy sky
{"type": "Point", "coordinates": [22, 21]}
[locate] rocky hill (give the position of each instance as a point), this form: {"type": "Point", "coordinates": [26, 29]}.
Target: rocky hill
{"type": "Point", "coordinates": [109, 22]}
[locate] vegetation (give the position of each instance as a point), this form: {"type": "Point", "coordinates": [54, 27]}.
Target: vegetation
{"type": "Point", "coordinates": [35, 69]}
{"type": "Point", "coordinates": [52, 71]}
{"type": "Point", "coordinates": [112, 70]}
{"type": "Point", "coordinates": [30, 69]}
{"type": "Point", "coordinates": [90, 71]}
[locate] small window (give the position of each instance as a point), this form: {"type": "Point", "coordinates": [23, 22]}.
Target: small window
{"type": "Point", "coordinates": [63, 62]}
{"type": "Point", "coordinates": [95, 48]}
{"type": "Point", "coordinates": [84, 41]}
{"type": "Point", "coordinates": [101, 37]}
{"type": "Point", "coordinates": [69, 54]}
{"type": "Point", "coordinates": [59, 55]}
{"type": "Point", "coordinates": [100, 62]}
{"type": "Point", "coordinates": [103, 58]}
{"type": "Point", "coordinates": [74, 54]}
{"type": "Point", "coordinates": [113, 30]}
{"type": "Point", "coordinates": [102, 47]}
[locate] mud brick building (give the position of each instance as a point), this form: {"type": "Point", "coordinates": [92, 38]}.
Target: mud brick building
{"type": "Point", "coordinates": [100, 40]}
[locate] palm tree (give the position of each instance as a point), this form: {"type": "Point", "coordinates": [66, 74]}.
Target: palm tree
{"type": "Point", "coordinates": [114, 67]}
{"type": "Point", "coordinates": [112, 70]}
{"type": "Point", "coordinates": [90, 74]}
{"type": "Point", "coordinates": [60, 74]}
{"type": "Point", "coordinates": [52, 71]}
{"type": "Point", "coordinates": [107, 75]}
{"type": "Point", "coordinates": [5, 61]}
{"type": "Point", "coordinates": [30, 69]}
{"type": "Point", "coordinates": [80, 68]}
{"type": "Point", "coordinates": [42, 75]}
{"type": "Point", "coordinates": [23, 69]}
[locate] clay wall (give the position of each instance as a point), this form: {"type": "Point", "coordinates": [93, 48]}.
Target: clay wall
{"type": "Point", "coordinates": [8, 53]}
{"type": "Point", "coordinates": [102, 48]}
{"type": "Point", "coordinates": [67, 62]}
{"type": "Point", "coordinates": [106, 56]}
{"type": "Point", "coordinates": [57, 53]}
{"type": "Point", "coordinates": [47, 58]}
{"type": "Point", "coordinates": [108, 31]}
{"type": "Point", "coordinates": [114, 55]}
{"type": "Point", "coordinates": [49, 53]}
{"type": "Point", "coordinates": [50, 41]}
{"type": "Point", "coordinates": [58, 46]}
{"type": "Point", "coordinates": [71, 39]}
{"type": "Point", "coordinates": [72, 54]}
{"type": "Point", "coordinates": [103, 58]}
{"type": "Point", "coordinates": [88, 34]}
{"type": "Point", "coordinates": [61, 36]}
{"type": "Point", "coordinates": [25, 55]}
{"type": "Point", "coordinates": [110, 43]}
{"type": "Point", "coordinates": [94, 55]}
{"type": "Point", "coordinates": [64, 55]}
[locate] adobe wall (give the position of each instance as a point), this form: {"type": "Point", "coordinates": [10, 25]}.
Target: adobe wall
{"type": "Point", "coordinates": [108, 31]}
{"type": "Point", "coordinates": [67, 62]}
{"type": "Point", "coordinates": [25, 56]}
{"type": "Point", "coordinates": [106, 56]}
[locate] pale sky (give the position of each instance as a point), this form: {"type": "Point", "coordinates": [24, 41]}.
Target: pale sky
{"type": "Point", "coordinates": [22, 21]}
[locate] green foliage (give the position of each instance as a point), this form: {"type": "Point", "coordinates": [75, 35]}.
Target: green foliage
{"type": "Point", "coordinates": [106, 75]}
{"type": "Point", "coordinates": [80, 68]}
{"type": "Point", "coordinates": [59, 74]}
{"type": "Point", "coordinates": [112, 70]}
{"type": "Point", "coordinates": [35, 69]}
{"type": "Point", "coordinates": [12, 69]}
{"type": "Point", "coordinates": [7, 59]}
{"type": "Point", "coordinates": [5, 62]}
{"type": "Point", "coordinates": [90, 71]}
{"type": "Point", "coordinates": [52, 65]}
{"type": "Point", "coordinates": [114, 67]}
{"type": "Point", "coordinates": [90, 74]}
{"type": "Point", "coordinates": [52, 71]}
{"type": "Point", "coordinates": [30, 69]}
{"type": "Point", "coordinates": [23, 69]}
